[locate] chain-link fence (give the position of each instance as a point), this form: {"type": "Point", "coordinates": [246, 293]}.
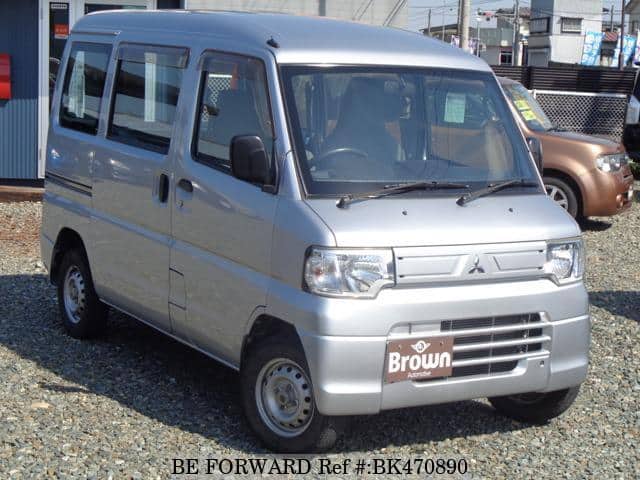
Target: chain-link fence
{"type": "Point", "coordinates": [600, 114]}
{"type": "Point", "coordinates": [216, 82]}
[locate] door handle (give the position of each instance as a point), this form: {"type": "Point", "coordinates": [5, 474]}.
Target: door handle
{"type": "Point", "coordinates": [163, 188]}
{"type": "Point", "coordinates": [185, 185]}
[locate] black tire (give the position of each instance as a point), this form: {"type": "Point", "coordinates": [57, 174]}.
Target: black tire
{"type": "Point", "coordinates": [91, 314]}
{"type": "Point", "coordinates": [537, 408]}
{"type": "Point", "coordinates": [565, 193]}
{"type": "Point", "coordinates": [322, 431]}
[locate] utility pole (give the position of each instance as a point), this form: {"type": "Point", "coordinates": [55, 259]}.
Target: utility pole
{"type": "Point", "coordinates": [611, 23]}
{"type": "Point", "coordinates": [464, 20]}
{"type": "Point", "coordinates": [429, 23]}
{"type": "Point", "coordinates": [322, 8]}
{"type": "Point", "coordinates": [478, 50]}
{"type": "Point", "coordinates": [515, 51]}
{"type": "Point", "coordinates": [621, 54]}
{"type": "Point", "coordinates": [444, 9]}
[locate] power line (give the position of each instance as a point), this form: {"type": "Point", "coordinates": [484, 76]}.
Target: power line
{"type": "Point", "coordinates": [435, 10]}
{"type": "Point", "coordinates": [394, 12]}
{"type": "Point", "coordinates": [364, 6]}
{"type": "Point", "coordinates": [547, 13]}
{"type": "Point", "coordinates": [448, 6]}
{"type": "Point", "coordinates": [454, 5]}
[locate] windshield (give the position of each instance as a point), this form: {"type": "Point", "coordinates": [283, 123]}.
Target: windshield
{"type": "Point", "coordinates": [360, 128]}
{"type": "Point", "coordinates": [528, 108]}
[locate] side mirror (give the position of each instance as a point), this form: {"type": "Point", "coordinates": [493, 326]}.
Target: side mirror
{"type": "Point", "coordinates": [535, 145]}
{"type": "Point", "coordinates": [249, 160]}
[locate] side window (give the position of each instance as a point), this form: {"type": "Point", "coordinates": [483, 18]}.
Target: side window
{"type": "Point", "coordinates": [146, 95]}
{"type": "Point", "coordinates": [84, 86]}
{"type": "Point", "coordinates": [233, 101]}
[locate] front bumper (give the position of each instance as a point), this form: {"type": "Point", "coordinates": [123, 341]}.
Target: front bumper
{"type": "Point", "coordinates": [607, 193]}
{"type": "Point", "coordinates": [348, 370]}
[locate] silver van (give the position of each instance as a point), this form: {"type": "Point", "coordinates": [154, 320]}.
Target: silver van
{"type": "Point", "coordinates": [347, 215]}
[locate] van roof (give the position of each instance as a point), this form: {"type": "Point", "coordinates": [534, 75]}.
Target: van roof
{"type": "Point", "coordinates": [301, 40]}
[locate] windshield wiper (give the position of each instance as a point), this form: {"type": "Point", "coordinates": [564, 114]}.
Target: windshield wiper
{"type": "Point", "coordinates": [495, 187]}
{"type": "Point", "coordinates": [398, 188]}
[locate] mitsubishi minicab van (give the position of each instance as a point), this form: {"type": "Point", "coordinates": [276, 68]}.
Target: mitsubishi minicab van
{"type": "Point", "coordinates": [347, 215]}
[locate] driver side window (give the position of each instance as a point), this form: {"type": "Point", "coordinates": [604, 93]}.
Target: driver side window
{"type": "Point", "coordinates": [233, 101]}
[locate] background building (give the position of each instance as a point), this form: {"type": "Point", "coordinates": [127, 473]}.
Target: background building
{"type": "Point", "coordinates": [496, 36]}
{"type": "Point", "coordinates": [490, 32]}
{"type": "Point", "coordinates": [557, 29]}
{"type": "Point", "coordinates": [34, 32]}
{"type": "Point", "coordinates": [633, 11]}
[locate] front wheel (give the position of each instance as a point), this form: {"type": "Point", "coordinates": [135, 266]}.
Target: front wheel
{"type": "Point", "coordinates": [277, 396]}
{"type": "Point", "coordinates": [561, 192]}
{"type": "Point", "coordinates": [535, 407]}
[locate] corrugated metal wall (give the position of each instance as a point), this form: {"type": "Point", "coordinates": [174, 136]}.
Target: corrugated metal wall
{"type": "Point", "coordinates": [571, 78]}
{"type": "Point", "coordinates": [519, 74]}
{"type": "Point", "coordinates": [19, 116]}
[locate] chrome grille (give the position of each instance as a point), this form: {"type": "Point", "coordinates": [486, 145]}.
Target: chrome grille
{"type": "Point", "coordinates": [491, 345]}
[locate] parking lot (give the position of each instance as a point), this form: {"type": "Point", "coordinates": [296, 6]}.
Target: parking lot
{"type": "Point", "coordinates": [127, 404]}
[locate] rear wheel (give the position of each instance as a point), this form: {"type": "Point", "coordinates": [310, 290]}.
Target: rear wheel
{"type": "Point", "coordinates": [83, 314]}
{"type": "Point", "coordinates": [535, 407]}
{"type": "Point", "coordinates": [563, 194]}
{"type": "Point", "coordinates": [278, 401]}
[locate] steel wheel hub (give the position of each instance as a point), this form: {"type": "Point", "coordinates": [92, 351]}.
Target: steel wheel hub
{"type": "Point", "coordinates": [74, 294]}
{"type": "Point", "coordinates": [283, 397]}
{"type": "Point", "coordinates": [558, 195]}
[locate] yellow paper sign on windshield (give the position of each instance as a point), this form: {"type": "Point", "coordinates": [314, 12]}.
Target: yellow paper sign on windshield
{"type": "Point", "coordinates": [522, 105]}
{"type": "Point", "coordinates": [528, 115]}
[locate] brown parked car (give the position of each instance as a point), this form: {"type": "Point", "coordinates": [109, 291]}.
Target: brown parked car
{"type": "Point", "coordinates": [588, 176]}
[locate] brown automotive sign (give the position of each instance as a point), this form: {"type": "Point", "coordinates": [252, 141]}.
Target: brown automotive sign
{"type": "Point", "coordinates": [418, 359]}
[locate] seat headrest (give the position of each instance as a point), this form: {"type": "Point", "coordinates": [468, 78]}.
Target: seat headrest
{"type": "Point", "coordinates": [366, 99]}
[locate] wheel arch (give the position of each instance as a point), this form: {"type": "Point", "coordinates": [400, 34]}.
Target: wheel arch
{"type": "Point", "coordinates": [67, 239]}
{"type": "Point", "coordinates": [569, 180]}
{"type": "Point", "coordinates": [266, 326]}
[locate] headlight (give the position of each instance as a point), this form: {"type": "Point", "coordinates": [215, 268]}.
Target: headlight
{"type": "Point", "coordinates": [565, 261]}
{"type": "Point", "coordinates": [612, 163]}
{"type": "Point", "coordinates": [348, 273]}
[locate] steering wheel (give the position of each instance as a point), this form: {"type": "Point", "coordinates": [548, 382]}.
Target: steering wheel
{"type": "Point", "coordinates": [327, 160]}
{"type": "Point", "coordinates": [325, 156]}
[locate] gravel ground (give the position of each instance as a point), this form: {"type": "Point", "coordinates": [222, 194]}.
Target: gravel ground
{"type": "Point", "coordinates": [125, 405]}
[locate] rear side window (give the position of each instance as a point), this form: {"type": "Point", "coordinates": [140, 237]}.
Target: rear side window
{"type": "Point", "coordinates": [146, 94]}
{"type": "Point", "coordinates": [233, 101]}
{"type": "Point", "coordinates": [84, 86]}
